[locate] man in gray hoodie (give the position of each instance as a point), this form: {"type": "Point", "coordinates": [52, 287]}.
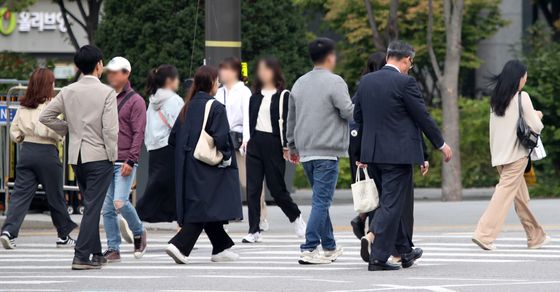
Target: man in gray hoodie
{"type": "Point", "coordinates": [319, 111]}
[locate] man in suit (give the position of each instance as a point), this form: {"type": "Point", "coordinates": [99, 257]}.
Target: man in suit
{"type": "Point", "coordinates": [90, 116]}
{"type": "Point", "coordinates": [391, 109]}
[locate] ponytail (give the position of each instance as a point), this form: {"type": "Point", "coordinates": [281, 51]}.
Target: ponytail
{"type": "Point", "coordinates": [157, 78]}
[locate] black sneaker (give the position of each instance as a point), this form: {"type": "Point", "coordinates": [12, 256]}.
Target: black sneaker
{"type": "Point", "coordinates": [99, 259]}
{"type": "Point", "coordinates": [65, 242]}
{"type": "Point", "coordinates": [8, 241]}
{"type": "Point", "coordinates": [78, 264]}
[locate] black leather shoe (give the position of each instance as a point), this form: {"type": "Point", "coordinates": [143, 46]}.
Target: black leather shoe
{"type": "Point", "coordinates": [358, 227]}
{"type": "Point", "coordinates": [408, 259]}
{"type": "Point", "coordinates": [78, 264]}
{"type": "Point", "coordinates": [382, 266]}
{"type": "Point", "coordinates": [99, 259]}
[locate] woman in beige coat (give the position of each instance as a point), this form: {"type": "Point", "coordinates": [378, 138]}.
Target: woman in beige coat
{"type": "Point", "coordinates": [510, 158]}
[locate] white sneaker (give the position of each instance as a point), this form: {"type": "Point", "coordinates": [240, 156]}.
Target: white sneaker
{"type": "Point", "coordinates": [263, 225]}
{"type": "Point", "coordinates": [312, 258]}
{"type": "Point", "coordinates": [8, 241]}
{"type": "Point", "coordinates": [125, 230]}
{"type": "Point", "coordinates": [252, 238]}
{"type": "Point", "coordinates": [176, 254]}
{"type": "Point", "coordinates": [299, 227]}
{"type": "Point", "coordinates": [225, 256]}
{"type": "Point", "coordinates": [333, 254]}
{"type": "Point", "coordinates": [546, 241]}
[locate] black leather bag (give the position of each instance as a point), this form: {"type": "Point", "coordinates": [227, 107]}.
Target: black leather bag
{"type": "Point", "coordinates": [526, 136]}
{"type": "Point", "coordinates": [236, 139]}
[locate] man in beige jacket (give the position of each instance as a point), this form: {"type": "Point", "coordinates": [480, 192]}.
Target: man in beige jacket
{"type": "Point", "coordinates": [91, 121]}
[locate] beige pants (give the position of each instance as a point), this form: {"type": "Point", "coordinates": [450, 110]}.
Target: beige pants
{"type": "Point", "coordinates": [241, 166]}
{"type": "Point", "coordinates": [511, 188]}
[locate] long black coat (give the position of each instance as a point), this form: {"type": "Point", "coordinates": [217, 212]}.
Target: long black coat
{"type": "Point", "coordinates": [204, 193]}
{"type": "Point", "coordinates": [391, 110]}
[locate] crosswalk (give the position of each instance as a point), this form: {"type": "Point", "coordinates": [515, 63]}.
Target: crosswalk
{"type": "Point", "coordinates": [43, 267]}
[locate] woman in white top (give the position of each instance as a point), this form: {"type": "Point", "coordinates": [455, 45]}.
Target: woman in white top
{"type": "Point", "coordinates": [510, 158]}
{"type": "Point", "coordinates": [235, 96]}
{"type": "Point", "coordinates": [158, 202]}
{"type": "Point", "coordinates": [267, 149]}
{"type": "Point", "coordinates": [38, 163]}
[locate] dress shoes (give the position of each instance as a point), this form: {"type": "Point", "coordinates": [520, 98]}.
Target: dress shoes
{"type": "Point", "coordinates": [383, 266]}
{"type": "Point", "coordinates": [408, 259]}
{"type": "Point", "coordinates": [358, 227]}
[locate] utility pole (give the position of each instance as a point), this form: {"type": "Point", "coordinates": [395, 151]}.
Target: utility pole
{"type": "Point", "coordinates": [222, 30]}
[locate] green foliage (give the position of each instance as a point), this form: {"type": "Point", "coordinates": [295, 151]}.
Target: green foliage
{"type": "Point", "coordinates": [15, 66]}
{"type": "Point", "coordinates": [348, 18]}
{"type": "Point", "coordinates": [150, 33]}
{"type": "Point", "coordinates": [543, 85]}
{"type": "Point", "coordinates": [275, 28]}
{"type": "Point", "coordinates": [16, 5]}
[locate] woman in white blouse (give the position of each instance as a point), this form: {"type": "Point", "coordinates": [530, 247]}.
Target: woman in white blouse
{"type": "Point", "coordinates": [268, 111]}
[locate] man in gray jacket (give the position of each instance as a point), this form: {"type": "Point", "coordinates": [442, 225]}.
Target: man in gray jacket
{"type": "Point", "coordinates": [319, 111]}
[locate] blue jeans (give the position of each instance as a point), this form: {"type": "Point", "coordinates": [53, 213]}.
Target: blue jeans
{"type": "Point", "coordinates": [322, 175]}
{"type": "Point", "coordinates": [119, 190]}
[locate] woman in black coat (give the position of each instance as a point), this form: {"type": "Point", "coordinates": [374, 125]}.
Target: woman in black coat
{"type": "Point", "coordinates": [207, 196]}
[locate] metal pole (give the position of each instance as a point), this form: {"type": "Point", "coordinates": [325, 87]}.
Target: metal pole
{"type": "Point", "coordinates": [222, 30]}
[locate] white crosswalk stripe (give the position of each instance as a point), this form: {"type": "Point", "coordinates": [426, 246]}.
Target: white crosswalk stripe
{"type": "Point", "coordinates": [42, 265]}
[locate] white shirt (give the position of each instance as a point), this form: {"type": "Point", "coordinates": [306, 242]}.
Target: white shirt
{"type": "Point", "coordinates": [264, 123]}
{"type": "Point", "coordinates": [236, 101]}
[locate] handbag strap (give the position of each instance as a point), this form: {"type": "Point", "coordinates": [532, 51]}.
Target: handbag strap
{"type": "Point", "coordinates": [163, 119]}
{"type": "Point", "coordinates": [520, 105]}
{"type": "Point", "coordinates": [364, 170]}
{"type": "Point", "coordinates": [281, 114]}
{"type": "Point", "coordinates": [207, 113]}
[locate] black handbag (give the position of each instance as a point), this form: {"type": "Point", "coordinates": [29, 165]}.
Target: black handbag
{"type": "Point", "coordinates": [527, 137]}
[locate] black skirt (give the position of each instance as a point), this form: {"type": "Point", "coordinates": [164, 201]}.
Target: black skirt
{"type": "Point", "coordinates": [158, 204]}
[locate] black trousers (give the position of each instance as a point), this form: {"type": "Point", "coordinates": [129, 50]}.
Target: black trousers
{"type": "Point", "coordinates": [265, 160]}
{"type": "Point", "coordinates": [186, 238]}
{"type": "Point", "coordinates": [94, 179]}
{"type": "Point", "coordinates": [392, 223]}
{"type": "Point", "coordinates": [38, 164]}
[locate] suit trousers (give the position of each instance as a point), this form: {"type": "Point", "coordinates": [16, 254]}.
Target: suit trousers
{"type": "Point", "coordinates": [265, 160]}
{"type": "Point", "coordinates": [511, 188]}
{"type": "Point", "coordinates": [186, 238]}
{"type": "Point", "coordinates": [392, 219]}
{"type": "Point", "coordinates": [38, 164]}
{"type": "Point", "coordinates": [94, 179]}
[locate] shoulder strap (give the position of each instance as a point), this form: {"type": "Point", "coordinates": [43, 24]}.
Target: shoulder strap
{"type": "Point", "coordinates": [207, 112]}
{"type": "Point", "coordinates": [125, 99]}
{"type": "Point", "coordinates": [281, 114]}
{"type": "Point", "coordinates": [520, 105]}
{"type": "Point", "coordinates": [163, 119]}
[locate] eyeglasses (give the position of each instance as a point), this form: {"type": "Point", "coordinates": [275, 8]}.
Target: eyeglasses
{"type": "Point", "coordinates": [411, 62]}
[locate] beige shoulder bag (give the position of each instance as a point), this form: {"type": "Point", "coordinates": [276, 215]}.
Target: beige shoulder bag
{"type": "Point", "coordinates": [205, 150]}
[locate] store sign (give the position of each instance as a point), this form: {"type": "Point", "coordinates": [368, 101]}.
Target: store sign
{"type": "Point", "coordinates": [7, 21]}
{"type": "Point", "coordinates": [41, 21]}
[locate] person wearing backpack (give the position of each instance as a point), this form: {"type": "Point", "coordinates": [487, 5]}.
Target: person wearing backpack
{"type": "Point", "coordinates": [157, 204]}
{"type": "Point", "coordinates": [267, 149]}
{"type": "Point", "coordinates": [132, 122]}
{"type": "Point", "coordinates": [510, 105]}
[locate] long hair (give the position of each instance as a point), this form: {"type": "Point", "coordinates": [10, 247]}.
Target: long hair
{"type": "Point", "coordinates": [506, 85]}
{"type": "Point", "coordinates": [375, 62]}
{"type": "Point", "coordinates": [274, 65]}
{"type": "Point", "coordinates": [234, 64]}
{"type": "Point", "coordinates": [204, 80]}
{"type": "Point", "coordinates": [40, 88]}
{"type": "Point", "coordinates": [158, 76]}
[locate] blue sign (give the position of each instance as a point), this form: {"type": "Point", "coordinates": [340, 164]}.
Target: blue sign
{"type": "Point", "coordinates": [4, 114]}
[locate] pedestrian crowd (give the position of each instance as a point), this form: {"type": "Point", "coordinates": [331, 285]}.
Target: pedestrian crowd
{"type": "Point", "coordinates": [223, 138]}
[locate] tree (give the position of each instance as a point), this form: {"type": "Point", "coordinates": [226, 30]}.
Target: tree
{"type": "Point", "coordinates": [16, 5]}
{"type": "Point", "coordinates": [275, 28]}
{"type": "Point", "coordinates": [87, 20]}
{"type": "Point", "coordinates": [448, 84]}
{"type": "Point", "coordinates": [153, 33]}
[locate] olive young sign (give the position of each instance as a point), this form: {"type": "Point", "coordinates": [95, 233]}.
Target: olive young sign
{"type": "Point", "coordinates": [38, 29]}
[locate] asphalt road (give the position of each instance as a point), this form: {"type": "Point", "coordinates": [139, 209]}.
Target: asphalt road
{"type": "Point", "coordinates": [450, 263]}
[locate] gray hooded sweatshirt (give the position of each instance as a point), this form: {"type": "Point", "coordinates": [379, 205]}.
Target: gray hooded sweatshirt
{"type": "Point", "coordinates": [162, 112]}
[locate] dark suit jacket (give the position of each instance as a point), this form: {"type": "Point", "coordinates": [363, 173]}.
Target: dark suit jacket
{"type": "Point", "coordinates": [390, 107]}
{"type": "Point", "coordinates": [254, 106]}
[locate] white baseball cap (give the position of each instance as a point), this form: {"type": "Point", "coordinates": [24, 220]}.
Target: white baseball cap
{"type": "Point", "coordinates": [118, 64]}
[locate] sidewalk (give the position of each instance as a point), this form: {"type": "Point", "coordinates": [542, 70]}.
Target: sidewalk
{"type": "Point", "coordinates": [302, 197]}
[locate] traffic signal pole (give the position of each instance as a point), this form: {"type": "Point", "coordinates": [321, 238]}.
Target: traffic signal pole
{"type": "Point", "coordinates": [222, 30]}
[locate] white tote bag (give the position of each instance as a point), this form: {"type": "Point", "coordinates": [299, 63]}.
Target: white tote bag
{"type": "Point", "coordinates": [538, 152]}
{"type": "Point", "coordinates": [364, 193]}
{"type": "Point", "coordinates": [205, 150]}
